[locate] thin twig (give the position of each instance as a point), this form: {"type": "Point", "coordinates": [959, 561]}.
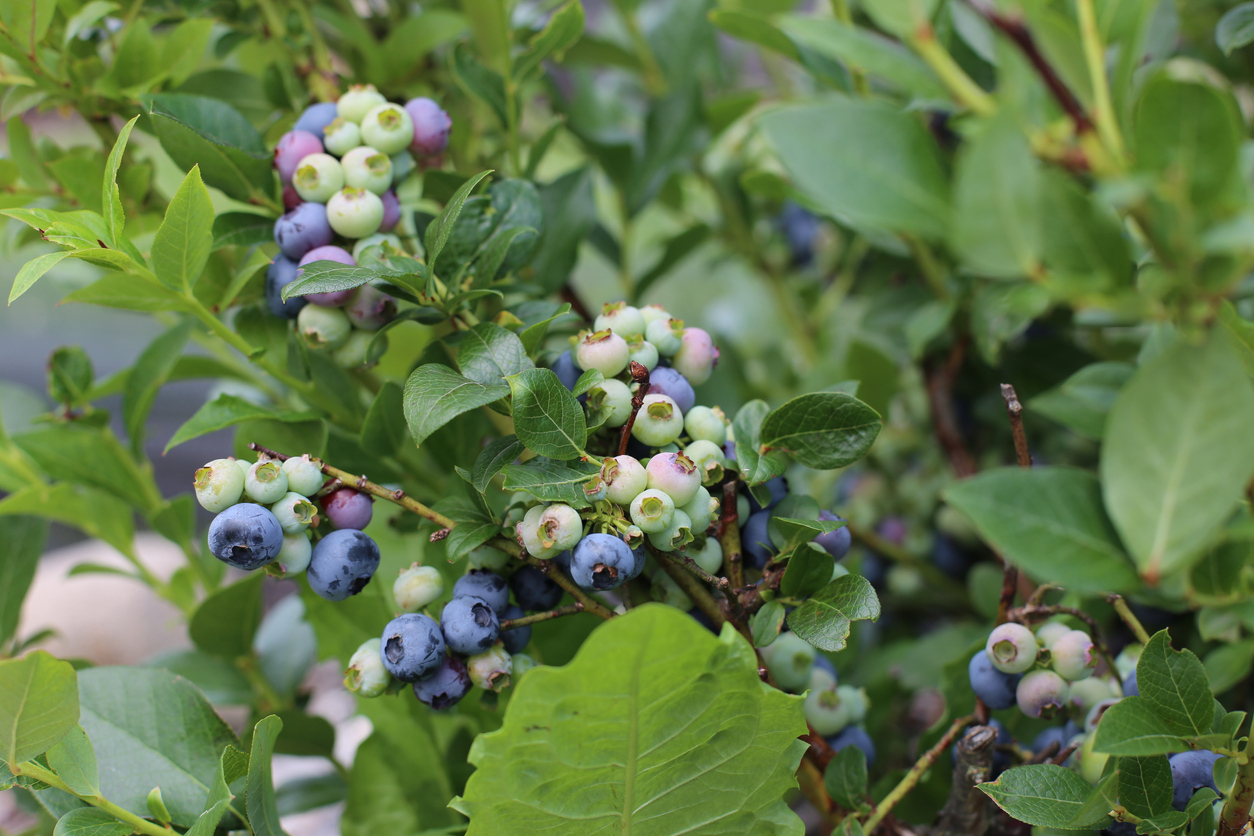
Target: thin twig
{"type": "Point", "coordinates": [640, 375]}
{"type": "Point", "coordinates": [567, 294]}
{"type": "Point", "coordinates": [684, 561]}
{"type": "Point", "coordinates": [729, 536]}
{"type": "Point", "coordinates": [690, 586]}
{"type": "Point", "coordinates": [940, 384]}
{"type": "Point", "coordinates": [1125, 612]}
{"type": "Point", "coordinates": [1010, 572]}
{"type": "Point", "coordinates": [911, 779]}
{"type": "Point", "coordinates": [512, 623]}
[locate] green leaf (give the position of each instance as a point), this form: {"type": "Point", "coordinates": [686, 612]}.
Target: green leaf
{"type": "Point", "coordinates": [788, 533]}
{"type": "Point", "coordinates": [74, 761]}
{"type": "Point", "coordinates": [220, 681]}
{"type": "Point", "coordinates": [114, 215]}
{"type": "Point", "coordinates": [586, 381]}
{"type": "Point", "coordinates": [547, 418]}
{"type": "Point", "coordinates": [132, 293]}
{"type": "Point", "coordinates": [755, 468]}
{"type": "Point", "coordinates": [1236, 28]}
{"type": "Point", "coordinates": [39, 705]}
{"type": "Point", "coordinates": [655, 750]}
{"type": "Point", "coordinates": [1228, 665]}
{"type": "Point", "coordinates": [90, 821]}
{"type": "Point", "coordinates": [90, 456]}
{"type": "Point", "coordinates": [20, 550]}
{"type": "Point", "coordinates": [499, 453]}
{"type": "Point", "coordinates": [533, 335]}
{"type": "Point", "coordinates": [263, 814]}
{"type": "Point", "coordinates": [330, 276]}
{"type": "Point", "coordinates": [156, 806]}
{"type": "Point", "coordinates": [551, 481]}
{"type": "Point", "coordinates": [226, 622]}
{"type": "Point", "coordinates": [559, 34]}
{"type": "Point", "coordinates": [824, 619]}
{"type": "Point", "coordinates": [765, 624]}
{"type": "Point", "coordinates": [809, 570]}
{"type": "Point", "coordinates": [204, 132]}
{"type": "Point", "coordinates": [435, 395]}
{"type": "Point", "coordinates": [33, 270]}
{"type": "Point", "coordinates": [1002, 311]}
{"type": "Point", "coordinates": [184, 240]}
{"type": "Point", "coordinates": [242, 229]}
{"type": "Point", "coordinates": [1174, 683]}
{"type": "Point", "coordinates": [1177, 453]}
{"type": "Point", "coordinates": [395, 788]}
{"type": "Point", "coordinates": [569, 215]}
{"type": "Point", "coordinates": [91, 510]}
{"type": "Point", "coordinates": [151, 371]}
{"type": "Point", "coordinates": [384, 431]}
{"type": "Point", "coordinates": [1145, 785]}
{"type": "Point", "coordinates": [227, 411]}
{"type": "Point", "coordinates": [22, 151]}
{"type": "Point", "coordinates": [887, 175]}
{"type": "Point", "coordinates": [488, 354]}
{"type": "Point", "coordinates": [1135, 730]}
{"type": "Point", "coordinates": [480, 82]}
{"type": "Point", "coordinates": [441, 228]}
{"type": "Point", "coordinates": [866, 50]}
{"type": "Point", "coordinates": [1044, 795]}
{"type": "Point", "coordinates": [845, 778]}
{"type": "Point", "coordinates": [1048, 521]}
{"type": "Point", "coordinates": [901, 17]}
{"type": "Point", "coordinates": [286, 648]}
{"type": "Point", "coordinates": [27, 21]}
{"type": "Point", "coordinates": [1082, 401]}
{"type": "Point", "coordinates": [474, 526]}
{"type": "Point", "coordinates": [822, 430]}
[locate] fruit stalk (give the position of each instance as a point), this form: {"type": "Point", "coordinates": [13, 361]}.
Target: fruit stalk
{"type": "Point", "coordinates": [1125, 612]}
{"type": "Point", "coordinates": [729, 536]}
{"type": "Point", "coordinates": [1010, 573]}
{"type": "Point", "coordinates": [640, 375]}
{"type": "Point", "coordinates": [922, 765]}
{"type": "Point", "coordinates": [511, 623]}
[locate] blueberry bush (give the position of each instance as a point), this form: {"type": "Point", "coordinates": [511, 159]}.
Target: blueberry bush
{"type": "Point", "coordinates": [673, 416]}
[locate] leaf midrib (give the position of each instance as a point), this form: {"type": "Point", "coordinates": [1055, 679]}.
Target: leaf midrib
{"type": "Point", "coordinates": [1172, 493]}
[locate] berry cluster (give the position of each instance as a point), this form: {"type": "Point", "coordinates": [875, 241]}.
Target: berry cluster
{"type": "Point", "coordinates": [266, 516]}
{"type": "Point", "coordinates": [339, 166]}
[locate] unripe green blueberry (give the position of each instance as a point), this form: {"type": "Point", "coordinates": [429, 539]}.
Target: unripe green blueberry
{"type": "Point", "coordinates": [620, 318]}
{"type": "Point", "coordinates": [825, 711]}
{"type": "Point", "coordinates": [1011, 648]}
{"type": "Point", "coordinates": [1095, 711]}
{"type": "Point", "coordinates": [709, 460]}
{"type": "Point", "coordinates": [704, 423]}
{"type": "Point", "coordinates": [485, 557]}
{"type": "Point", "coordinates": [658, 423]}
{"type": "Point", "coordinates": [855, 701]}
{"type": "Point", "coordinates": [491, 669]}
{"type": "Point", "coordinates": [821, 678]}
{"type": "Point", "coordinates": [674, 474]}
{"type": "Point", "coordinates": [904, 581]}
{"type": "Point", "coordinates": [1092, 763]}
{"type": "Point", "coordinates": [367, 168]}
{"type": "Point", "coordinates": [416, 587]}
{"type": "Point", "coordinates": [294, 512]}
{"type": "Point", "coordinates": [695, 359]}
{"type": "Point", "coordinates": [355, 213]}
{"type": "Point", "coordinates": [529, 531]}
{"type": "Point", "coordinates": [651, 312]}
{"type": "Point", "coordinates": [790, 659]}
{"type": "Point", "coordinates": [1050, 632]}
{"type": "Point", "coordinates": [675, 536]}
{"type": "Point", "coordinates": [710, 556]}
{"type": "Point", "coordinates": [366, 674]}
{"type": "Point", "coordinates": [303, 476]}
{"type": "Point", "coordinates": [1072, 655]}
{"type": "Point", "coordinates": [266, 482]}
{"type": "Point", "coordinates": [402, 165]}
{"type": "Point", "coordinates": [378, 239]}
{"type": "Point", "coordinates": [604, 351]}
{"type": "Point", "coordinates": [652, 511]}
{"type": "Point", "coordinates": [640, 350]}
{"type": "Point", "coordinates": [667, 335]}
{"type": "Point", "coordinates": [318, 177]}
{"type": "Point", "coordinates": [387, 127]}
{"type": "Point", "coordinates": [1126, 661]}
{"type": "Point", "coordinates": [612, 397]}
{"type": "Point", "coordinates": [323, 327]}
{"type": "Point", "coordinates": [1041, 693]}
{"type": "Point", "coordinates": [294, 556]}
{"type": "Point", "coordinates": [219, 485]}
{"type": "Point", "coordinates": [624, 478]}
{"type": "Point", "coordinates": [522, 663]}
{"type": "Point", "coordinates": [245, 465]}
{"type": "Point", "coordinates": [665, 589]}
{"type": "Point", "coordinates": [701, 510]}
{"type": "Point", "coordinates": [341, 136]}
{"type": "Point", "coordinates": [358, 101]}
{"type": "Point", "coordinates": [1087, 693]}
{"type": "Point", "coordinates": [355, 352]}
{"type": "Point", "coordinates": [560, 527]}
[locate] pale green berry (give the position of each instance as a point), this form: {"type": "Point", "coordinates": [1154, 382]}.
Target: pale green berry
{"type": "Point", "coordinates": [318, 177]}
{"type": "Point", "coordinates": [521, 663]}
{"type": "Point", "coordinates": [855, 700]}
{"type": "Point", "coordinates": [355, 352]}
{"type": "Point", "coordinates": [341, 136]}
{"type": "Point", "coordinates": [323, 327]}
{"type": "Point", "coordinates": [667, 335]}
{"type": "Point", "coordinates": [651, 312]}
{"type": "Point", "coordinates": [604, 351]}
{"type": "Point", "coordinates": [303, 476]}
{"type": "Point", "coordinates": [701, 510]}
{"type": "Point", "coordinates": [821, 678]}
{"type": "Point", "coordinates": [1050, 632]}
{"type": "Point", "coordinates": [529, 531]}
{"type": "Point", "coordinates": [294, 557]}
{"type": "Point", "coordinates": [294, 512]}
{"type": "Point", "coordinates": [652, 511]}
{"type": "Point", "coordinates": [624, 478]}
{"type": "Point", "coordinates": [416, 587]}
{"type": "Point", "coordinates": [367, 168]}
{"type": "Point", "coordinates": [244, 466]}
{"type": "Point", "coordinates": [710, 556]}
{"type": "Point", "coordinates": [704, 423]}
{"type": "Point", "coordinates": [266, 482]}
{"type": "Point", "coordinates": [676, 475]}
{"type": "Point", "coordinates": [560, 527]}
{"type": "Point", "coordinates": [613, 399]}
{"type": "Point", "coordinates": [491, 669]}
{"type": "Point", "coordinates": [354, 212]}
{"type": "Point", "coordinates": [219, 485]}
{"type": "Point", "coordinates": [640, 350]}
{"type": "Point", "coordinates": [358, 101]}
{"type": "Point", "coordinates": [790, 659]}
{"type": "Point", "coordinates": [676, 535]}
{"type": "Point", "coordinates": [366, 674]}
{"type": "Point", "coordinates": [485, 557]}
{"type": "Point", "coordinates": [375, 240]}
{"type": "Point", "coordinates": [388, 127]}
{"type": "Point", "coordinates": [826, 711]}
{"type": "Point", "coordinates": [709, 459]}
{"type": "Point", "coordinates": [620, 318]}
{"type": "Point", "coordinates": [658, 423]}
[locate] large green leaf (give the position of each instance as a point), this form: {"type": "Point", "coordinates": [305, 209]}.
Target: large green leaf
{"type": "Point", "coordinates": [1177, 453]}
{"type": "Point", "coordinates": [550, 481]}
{"type": "Point", "coordinates": [1174, 684]}
{"type": "Point", "coordinates": [90, 456]}
{"type": "Point", "coordinates": [678, 734]}
{"type": "Point", "coordinates": [825, 617]}
{"type": "Point", "coordinates": [263, 812]}
{"type": "Point", "coordinates": [435, 395]}
{"type": "Point", "coordinates": [185, 238]}
{"type": "Point", "coordinates": [39, 705]}
{"type": "Point", "coordinates": [1130, 727]}
{"type": "Point", "coordinates": [1082, 401]}
{"type": "Point", "coordinates": [823, 430]}
{"type": "Point", "coordinates": [1049, 521]}
{"type": "Point", "coordinates": [225, 623]}
{"type": "Point", "coordinates": [227, 411]}
{"type": "Point", "coordinates": [20, 549]}
{"type": "Point", "coordinates": [1236, 28]}
{"type": "Point", "coordinates": [94, 511]}
{"type": "Point", "coordinates": [74, 761]}
{"type": "Point", "coordinates": [887, 173]}
{"type": "Point", "coordinates": [547, 418]}
{"type": "Point", "coordinates": [755, 466]}
{"type": "Point", "coordinates": [488, 354]}
{"type": "Point", "coordinates": [569, 215]}
{"type": "Point", "coordinates": [90, 821]}
{"type": "Point", "coordinates": [1145, 785]}
{"type": "Point", "coordinates": [1046, 796]}
{"type": "Point", "coordinates": [204, 132]}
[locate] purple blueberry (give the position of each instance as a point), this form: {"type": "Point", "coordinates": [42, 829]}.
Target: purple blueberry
{"type": "Point", "coordinates": [995, 688]}
{"type": "Point", "coordinates": [1130, 688]}
{"type": "Point", "coordinates": [470, 626]}
{"type": "Point", "coordinates": [342, 564]}
{"type": "Point", "coordinates": [1190, 772]}
{"type": "Point", "coordinates": [445, 687]}
{"type": "Point", "coordinates": [755, 542]}
{"type": "Point", "coordinates": [291, 198]}
{"type": "Point", "coordinates": [315, 118]}
{"type": "Point", "coordinates": [779, 492]}
{"type": "Point", "coordinates": [857, 737]}
{"type": "Point", "coordinates": [534, 590]}
{"type": "Point", "coordinates": [837, 542]}
{"type": "Point", "coordinates": [666, 381]}
{"type": "Point", "coordinates": [303, 229]}
{"type": "Point", "coordinates": [1041, 693]}
{"type": "Point", "coordinates": [480, 583]}
{"type": "Point", "coordinates": [245, 536]}
{"type": "Point", "coordinates": [601, 561]}
{"type": "Point", "coordinates": [348, 508]}
{"type": "Point", "coordinates": [517, 639]}
{"type": "Point", "coordinates": [293, 147]}
{"type": "Point", "coordinates": [334, 298]}
{"type": "Point", "coordinates": [281, 273]}
{"type": "Point", "coordinates": [391, 211]}
{"type": "Point", "coordinates": [413, 647]}
{"type": "Point", "coordinates": [1061, 735]}
{"type": "Point", "coordinates": [431, 127]}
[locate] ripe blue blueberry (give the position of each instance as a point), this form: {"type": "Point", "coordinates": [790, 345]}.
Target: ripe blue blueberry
{"type": "Point", "coordinates": [836, 543]}
{"type": "Point", "coordinates": [1041, 693]}
{"type": "Point", "coordinates": [417, 586]}
{"type": "Point", "coordinates": [534, 590]}
{"type": "Point", "coordinates": [341, 136]}
{"type": "Point", "coordinates": [659, 421]}
{"type": "Point", "coordinates": [431, 127]}
{"type": "Point", "coordinates": [995, 688]}
{"type": "Point", "coordinates": [651, 511]}
{"type": "Point", "coordinates": [491, 669]}
{"type": "Point", "coordinates": [639, 554]}
{"type": "Point", "coordinates": [245, 536]}
{"type": "Point", "coordinates": [620, 318]}
{"type": "Point", "coordinates": [951, 559]}
{"type": "Point", "coordinates": [624, 479]}
{"type": "Point", "coordinates": [303, 476]}
{"type": "Point", "coordinates": [857, 737]}
{"type": "Point", "coordinates": [339, 255]}
{"type": "Point", "coordinates": [489, 586]}
{"type": "Point", "coordinates": [696, 357]}
{"type": "Point", "coordinates": [348, 508]}
{"type": "Point", "coordinates": [293, 512]}
{"type": "Point", "coordinates": [1130, 688]}
{"type": "Point", "coordinates": [358, 101]}
{"type": "Point", "coordinates": [800, 226]}
{"type": "Point", "coordinates": [413, 647]}
{"type": "Point", "coordinates": [366, 674]}
{"type": "Point", "coordinates": [1061, 735]}
{"type": "Point", "coordinates": [1072, 655]}
{"type": "Point", "coordinates": [303, 229]}
{"type": "Point", "coordinates": [601, 562]}
{"type": "Point", "coordinates": [266, 482]}
{"type": "Point", "coordinates": [1011, 648]}
{"type": "Point", "coordinates": [667, 381]}
{"type": "Point", "coordinates": [470, 625]}
{"type": "Point", "coordinates": [566, 370]}
{"type": "Point", "coordinates": [1190, 772]}
{"type": "Point", "coordinates": [281, 273]}
{"type": "Point", "coordinates": [517, 639]}
{"type": "Point", "coordinates": [294, 557]}
{"type": "Point", "coordinates": [446, 687]}
{"type": "Point", "coordinates": [387, 127]}
{"type": "Point", "coordinates": [343, 563]}
{"type": "Point", "coordinates": [293, 147]}
{"type": "Point", "coordinates": [219, 485]}
{"type": "Point", "coordinates": [315, 118]}
{"type": "Point", "coordinates": [317, 177]}
{"type": "Point", "coordinates": [367, 168]}
{"type": "Point", "coordinates": [755, 540]}
{"type": "Point", "coordinates": [602, 350]}
{"type": "Point", "coordinates": [354, 212]}
{"type": "Point", "coordinates": [667, 335]}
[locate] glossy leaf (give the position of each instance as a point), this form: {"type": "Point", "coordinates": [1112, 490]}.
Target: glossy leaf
{"type": "Point", "coordinates": [765, 624]}
{"type": "Point", "coordinates": [204, 132]}
{"type": "Point", "coordinates": [845, 778]}
{"type": "Point", "coordinates": [1046, 796]}
{"type": "Point", "coordinates": [1174, 683]}
{"type": "Point", "coordinates": [90, 821]}
{"type": "Point", "coordinates": [499, 453]}
{"type": "Point", "coordinates": [39, 705]}
{"type": "Point", "coordinates": [755, 467]}
{"type": "Point", "coordinates": [488, 354]}
{"type": "Point", "coordinates": [184, 239]}
{"type": "Point", "coordinates": [242, 229]}
{"type": "Point", "coordinates": [1131, 727]}
{"type": "Point", "coordinates": [1145, 785]}
{"type": "Point", "coordinates": [824, 619]}
{"type": "Point", "coordinates": [20, 550]}
{"type": "Point", "coordinates": [435, 394]}
{"type": "Point", "coordinates": [547, 418]}
{"type": "Point", "coordinates": [227, 411]}
{"type": "Point", "coordinates": [441, 228]}
{"type": "Point", "coordinates": [550, 481]}
{"type": "Point", "coordinates": [822, 430]}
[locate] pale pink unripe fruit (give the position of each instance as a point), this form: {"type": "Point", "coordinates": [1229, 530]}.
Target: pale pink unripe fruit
{"type": "Point", "coordinates": [624, 478]}
{"type": "Point", "coordinates": [293, 147]}
{"type": "Point", "coordinates": [431, 127]}
{"type": "Point", "coordinates": [676, 475]}
{"type": "Point", "coordinates": [696, 357]}
{"type": "Point", "coordinates": [1041, 693]}
{"type": "Point", "coordinates": [604, 351]}
{"type": "Point", "coordinates": [1072, 655]}
{"type": "Point", "coordinates": [1011, 648]}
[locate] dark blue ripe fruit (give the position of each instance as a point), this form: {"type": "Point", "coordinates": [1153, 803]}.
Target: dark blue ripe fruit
{"type": "Point", "coordinates": [857, 737]}
{"type": "Point", "coordinates": [1190, 772]}
{"type": "Point", "coordinates": [534, 591]}
{"type": "Point", "coordinates": [315, 118]}
{"type": "Point", "coordinates": [666, 381]}
{"type": "Point", "coordinates": [470, 625]}
{"type": "Point", "coordinates": [755, 540]}
{"type": "Point", "coordinates": [245, 536]}
{"type": "Point", "coordinates": [1130, 688]}
{"type": "Point", "coordinates": [515, 640]}
{"type": "Point", "coordinates": [413, 647]}
{"type": "Point", "coordinates": [446, 686]}
{"type": "Point", "coordinates": [799, 226]}
{"type": "Point", "coordinates": [303, 229]}
{"type": "Point", "coordinates": [281, 273]}
{"type": "Point", "coordinates": [995, 688]}
{"type": "Point", "coordinates": [837, 542]}
{"type": "Point", "coordinates": [342, 564]}
{"type": "Point", "coordinates": [601, 561]}
{"type": "Point", "coordinates": [566, 370]}
{"type": "Point", "coordinates": [483, 584]}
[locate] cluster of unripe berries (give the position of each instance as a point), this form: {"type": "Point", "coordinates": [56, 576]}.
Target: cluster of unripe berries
{"type": "Point", "coordinates": [339, 166]}
{"type": "Point", "coordinates": [442, 659]}
{"type": "Point", "coordinates": [268, 516]}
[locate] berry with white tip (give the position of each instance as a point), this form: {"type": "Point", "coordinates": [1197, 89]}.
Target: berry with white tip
{"type": "Point", "coordinates": [667, 335]}
{"type": "Point", "coordinates": [219, 485]}
{"type": "Point", "coordinates": [491, 669]}
{"type": "Point", "coordinates": [341, 136]}
{"type": "Point", "coordinates": [1041, 693]}
{"type": "Point", "coordinates": [354, 212]}
{"type": "Point", "coordinates": [652, 510]}
{"type": "Point", "coordinates": [624, 478]}
{"type": "Point", "coordinates": [620, 318]}
{"type": "Point", "coordinates": [613, 398]}
{"type": "Point", "coordinates": [604, 351]}
{"type": "Point", "coordinates": [705, 423]}
{"type": "Point", "coordinates": [1011, 648]}
{"type": "Point", "coordinates": [413, 647]}
{"type": "Point", "coordinates": [318, 177]}
{"type": "Point", "coordinates": [388, 127]}
{"type": "Point", "coordinates": [358, 101]}
{"type": "Point", "coordinates": [294, 512]}
{"type": "Point", "coordinates": [367, 168]}
{"type": "Point", "coordinates": [266, 482]}
{"type": "Point", "coordinates": [366, 674]}
{"type": "Point", "coordinates": [659, 421]}
{"type": "Point", "coordinates": [303, 476]}
{"type": "Point", "coordinates": [417, 586]}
